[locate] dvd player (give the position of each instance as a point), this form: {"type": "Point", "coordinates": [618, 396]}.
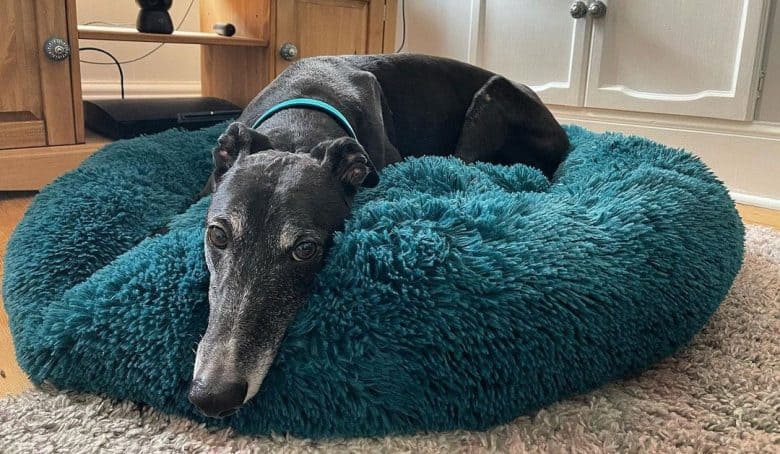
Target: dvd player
{"type": "Point", "coordinates": [126, 118]}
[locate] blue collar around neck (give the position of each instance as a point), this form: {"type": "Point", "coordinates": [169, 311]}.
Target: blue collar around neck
{"type": "Point", "coordinates": [309, 103]}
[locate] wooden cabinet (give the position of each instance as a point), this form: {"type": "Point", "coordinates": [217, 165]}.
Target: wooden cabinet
{"type": "Point", "coordinates": [40, 102]}
{"type": "Point", "coordinates": [41, 119]}
{"type": "Point", "coordinates": [328, 27]}
{"type": "Point", "coordinates": [313, 27]}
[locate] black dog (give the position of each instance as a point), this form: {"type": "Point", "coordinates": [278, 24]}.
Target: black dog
{"type": "Point", "coordinates": [283, 188]}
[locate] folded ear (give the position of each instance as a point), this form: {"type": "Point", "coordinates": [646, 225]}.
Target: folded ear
{"type": "Point", "coordinates": [349, 162]}
{"type": "Point", "coordinates": [237, 140]}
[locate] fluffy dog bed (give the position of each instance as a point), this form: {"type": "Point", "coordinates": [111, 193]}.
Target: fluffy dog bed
{"type": "Point", "coordinates": [458, 296]}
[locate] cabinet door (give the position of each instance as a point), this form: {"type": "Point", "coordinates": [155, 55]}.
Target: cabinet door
{"type": "Point", "coordinates": [329, 27]}
{"type": "Point", "coordinates": [534, 42]}
{"type": "Point", "coordinates": [36, 104]}
{"type": "Point", "coordinates": [692, 57]}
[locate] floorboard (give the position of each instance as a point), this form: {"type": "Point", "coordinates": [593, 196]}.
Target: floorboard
{"type": "Point", "coordinates": [12, 379]}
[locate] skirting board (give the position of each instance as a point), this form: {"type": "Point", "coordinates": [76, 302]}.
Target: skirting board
{"type": "Point", "coordinates": [756, 201]}
{"type": "Point", "coordinates": [745, 155]}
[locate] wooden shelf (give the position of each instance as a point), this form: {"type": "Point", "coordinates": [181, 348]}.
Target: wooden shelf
{"type": "Point", "coordinates": [29, 169]}
{"type": "Point", "coordinates": [178, 37]}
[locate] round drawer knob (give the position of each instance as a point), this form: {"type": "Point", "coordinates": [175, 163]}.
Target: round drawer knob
{"type": "Point", "coordinates": [578, 10]}
{"type": "Point", "coordinates": [288, 51]}
{"type": "Point", "coordinates": [56, 49]}
{"type": "Point", "coordinates": [597, 9]}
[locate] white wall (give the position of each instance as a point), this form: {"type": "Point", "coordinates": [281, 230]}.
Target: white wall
{"type": "Point", "coordinates": [769, 104]}
{"type": "Point", "coordinates": [174, 69]}
{"type": "Point", "coordinates": [436, 27]}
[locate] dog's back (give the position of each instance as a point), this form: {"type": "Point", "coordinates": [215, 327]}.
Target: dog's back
{"type": "Point", "coordinates": [428, 96]}
{"type": "Point", "coordinates": [425, 97]}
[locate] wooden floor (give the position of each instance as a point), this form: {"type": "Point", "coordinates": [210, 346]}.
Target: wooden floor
{"type": "Point", "coordinates": [12, 379]}
{"type": "Point", "coordinates": [13, 206]}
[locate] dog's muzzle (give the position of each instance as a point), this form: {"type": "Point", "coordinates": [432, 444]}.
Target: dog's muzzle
{"type": "Point", "coordinates": [218, 400]}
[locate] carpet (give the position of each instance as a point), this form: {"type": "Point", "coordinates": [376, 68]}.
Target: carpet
{"type": "Point", "coordinates": [720, 393]}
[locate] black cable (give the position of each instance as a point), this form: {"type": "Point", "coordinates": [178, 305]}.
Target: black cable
{"type": "Point", "coordinates": [155, 49]}
{"type": "Point", "coordinates": [118, 65]}
{"type": "Point", "coordinates": [403, 24]}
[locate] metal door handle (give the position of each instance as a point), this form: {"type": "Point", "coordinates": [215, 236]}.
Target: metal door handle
{"type": "Point", "coordinates": [597, 9]}
{"type": "Point", "coordinates": [578, 9]}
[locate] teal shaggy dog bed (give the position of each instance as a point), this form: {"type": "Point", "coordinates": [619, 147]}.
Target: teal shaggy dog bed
{"type": "Point", "coordinates": [458, 296]}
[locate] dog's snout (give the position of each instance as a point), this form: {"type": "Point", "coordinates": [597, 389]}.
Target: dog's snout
{"type": "Point", "coordinates": [218, 400]}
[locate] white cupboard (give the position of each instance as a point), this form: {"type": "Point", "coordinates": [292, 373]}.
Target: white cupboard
{"type": "Point", "coordinates": [684, 57]}
{"type": "Point", "coordinates": [691, 57]}
{"type": "Point", "coordinates": [536, 42]}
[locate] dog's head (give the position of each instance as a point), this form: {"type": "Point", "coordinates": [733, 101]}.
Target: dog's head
{"type": "Point", "coordinates": [268, 229]}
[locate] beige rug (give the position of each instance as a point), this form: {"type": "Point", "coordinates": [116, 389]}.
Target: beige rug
{"type": "Point", "coordinates": [719, 394]}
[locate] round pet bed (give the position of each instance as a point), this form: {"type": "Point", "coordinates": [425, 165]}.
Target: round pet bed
{"type": "Point", "coordinates": [458, 296]}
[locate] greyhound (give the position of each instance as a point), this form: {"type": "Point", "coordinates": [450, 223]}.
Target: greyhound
{"type": "Point", "coordinates": [286, 172]}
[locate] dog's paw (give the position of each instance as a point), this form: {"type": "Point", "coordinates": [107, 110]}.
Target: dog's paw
{"type": "Point", "coordinates": [239, 138]}
{"type": "Point", "coordinates": [229, 141]}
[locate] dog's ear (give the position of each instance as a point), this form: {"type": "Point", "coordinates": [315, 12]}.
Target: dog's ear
{"type": "Point", "coordinates": [348, 161]}
{"type": "Point", "coordinates": [237, 140]}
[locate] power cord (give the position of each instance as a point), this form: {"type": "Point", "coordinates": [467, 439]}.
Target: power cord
{"type": "Point", "coordinates": [116, 62]}
{"type": "Point", "coordinates": [403, 24]}
{"type": "Point", "coordinates": [155, 49]}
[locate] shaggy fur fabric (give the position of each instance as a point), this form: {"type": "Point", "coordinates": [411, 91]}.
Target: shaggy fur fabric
{"type": "Point", "coordinates": [457, 297]}
{"type": "Point", "coordinates": [721, 393]}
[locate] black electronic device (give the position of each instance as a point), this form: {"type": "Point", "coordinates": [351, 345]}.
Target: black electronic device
{"type": "Point", "coordinates": [154, 17]}
{"type": "Point", "coordinates": [126, 118]}
{"type": "Point", "coordinates": [225, 29]}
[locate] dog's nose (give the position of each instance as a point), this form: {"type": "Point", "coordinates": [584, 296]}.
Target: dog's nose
{"type": "Point", "coordinates": [217, 400]}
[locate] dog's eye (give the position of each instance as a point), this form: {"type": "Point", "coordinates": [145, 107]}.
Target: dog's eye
{"type": "Point", "coordinates": [217, 237]}
{"type": "Point", "coordinates": [305, 250]}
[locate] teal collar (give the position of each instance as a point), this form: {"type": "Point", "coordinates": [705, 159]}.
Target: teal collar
{"type": "Point", "coordinates": [309, 103]}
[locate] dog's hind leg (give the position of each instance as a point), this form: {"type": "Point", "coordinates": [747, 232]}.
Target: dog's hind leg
{"type": "Point", "coordinates": [509, 124]}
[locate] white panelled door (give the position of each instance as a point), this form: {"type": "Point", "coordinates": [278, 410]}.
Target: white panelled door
{"type": "Point", "coordinates": [535, 42]}
{"type": "Point", "coordinates": [691, 57]}
{"type": "Point", "coordinates": [683, 57]}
